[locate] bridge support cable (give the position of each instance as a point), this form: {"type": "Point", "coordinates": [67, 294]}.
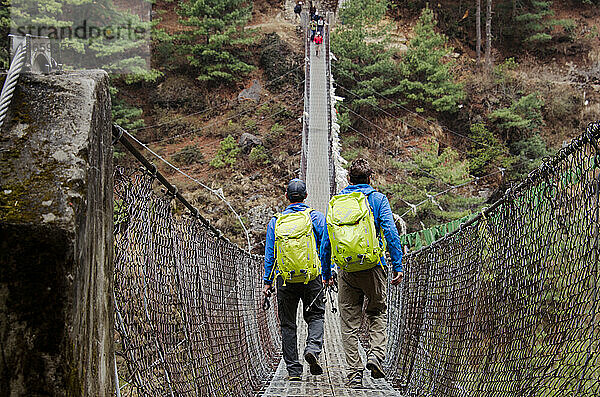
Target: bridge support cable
{"type": "Point", "coordinates": [12, 77]}
{"type": "Point", "coordinates": [507, 304]}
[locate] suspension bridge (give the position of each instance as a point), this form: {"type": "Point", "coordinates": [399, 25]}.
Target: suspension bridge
{"type": "Point", "coordinates": [506, 305]}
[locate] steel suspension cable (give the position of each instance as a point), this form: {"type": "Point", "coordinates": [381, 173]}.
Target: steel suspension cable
{"type": "Point", "coordinates": [12, 77]}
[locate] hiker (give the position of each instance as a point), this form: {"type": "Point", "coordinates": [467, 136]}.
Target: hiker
{"type": "Point", "coordinates": [355, 218]}
{"type": "Point", "coordinates": [291, 257]}
{"type": "Point", "coordinates": [312, 11]}
{"type": "Point", "coordinates": [313, 29]}
{"type": "Point", "coordinates": [321, 25]}
{"type": "Point", "coordinates": [318, 41]}
{"type": "Point", "coordinates": [298, 9]}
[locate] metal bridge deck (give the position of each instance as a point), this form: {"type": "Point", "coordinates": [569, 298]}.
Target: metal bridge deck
{"type": "Point", "coordinates": [332, 382]}
{"type": "Point", "coordinates": [317, 167]}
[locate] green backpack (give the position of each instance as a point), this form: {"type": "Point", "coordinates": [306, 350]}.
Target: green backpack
{"type": "Point", "coordinates": [296, 247]}
{"type": "Point", "coordinates": [351, 229]}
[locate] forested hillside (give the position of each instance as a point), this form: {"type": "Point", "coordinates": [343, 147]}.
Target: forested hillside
{"type": "Point", "coordinates": [451, 101]}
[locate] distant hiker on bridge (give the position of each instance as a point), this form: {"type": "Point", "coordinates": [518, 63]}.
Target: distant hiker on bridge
{"type": "Point", "coordinates": [356, 218]}
{"type": "Point", "coordinates": [321, 25]}
{"type": "Point", "coordinates": [313, 29]}
{"type": "Point", "coordinates": [291, 256]}
{"type": "Point", "coordinates": [298, 9]}
{"type": "Point", "coordinates": [318, 41]}
{"type": "Point", "coordinates": [312, 11]}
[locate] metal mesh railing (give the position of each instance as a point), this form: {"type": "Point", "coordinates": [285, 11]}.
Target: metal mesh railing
{"type": "Point", "coordinates": [188, 303]}
{"type": "Point", "coordinates": [509, 305]}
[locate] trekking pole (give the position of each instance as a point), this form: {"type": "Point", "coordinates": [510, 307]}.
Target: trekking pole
{"type": "Point", "coordinates": [330, 293]}
{"type": "Point", "coordinates": [309, 307]}
{"type": "Point", "coordinates": [332, 289]}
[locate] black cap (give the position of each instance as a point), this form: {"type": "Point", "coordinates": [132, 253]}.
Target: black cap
{"type": "Point", "coordinates": [296, 190]}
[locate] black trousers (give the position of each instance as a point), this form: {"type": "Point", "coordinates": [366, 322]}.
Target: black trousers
{"type": "Point", "coordinates": [288, 297]}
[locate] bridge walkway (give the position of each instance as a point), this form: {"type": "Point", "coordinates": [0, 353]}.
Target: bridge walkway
{"type": "Point", "coordinates": [333, 382]}
{"type": "Point", "coordinates": [318, 185]}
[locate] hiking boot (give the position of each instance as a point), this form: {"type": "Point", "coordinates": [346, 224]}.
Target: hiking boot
{"type": "Point", "coordinates": [355, 380]}
{"type": "Point", "coordinates": [294, 378]}
{"type": "Point", "coordinates": [374, 365]}
{"type": "Point", "coordinates": [315, 367]}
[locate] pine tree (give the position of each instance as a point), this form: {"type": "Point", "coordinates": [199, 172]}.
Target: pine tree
{"type": "Point", "coordinates": [426, 78]}
{"type": "Point", "coordinates": [364, 65]}
{"type": "Point", "coordinates": [214, 44]}
{"type": "Point", "coordinates": [536, 23]}
{"type": "Point", "coordinates": [533, 22]}
{"type": "Point", "coordinates": [113, 39]}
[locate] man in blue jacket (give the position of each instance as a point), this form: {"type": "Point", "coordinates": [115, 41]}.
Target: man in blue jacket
{"type": "Point", "coordinates": [354, 287]}
{"type": "Point", "coordinates": [288, 295]}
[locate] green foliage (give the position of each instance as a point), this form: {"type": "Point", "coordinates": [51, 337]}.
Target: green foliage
{"type": "Point", "coordinates": [365, 64]}
{"type": "Point", "coordinates": [190, 154]}
{"type": "Point", "coordinates": [250, 126]}
{"type": "Point", "coordinates": [100, 50]}
{"type": "Point", "coordinates": [227, 154]}
{"type": "Point", "coordinates": [145, 76]}
{"type": "Point", "coordinates": [502, 71]}
{"type": "Point", "coordinates": [529, 154]}
{"type": "Point", "coordinates": [487, 150]}
{"type": "Point", "coordinates": [259, 156]}
{"type": "Point", "coordinates": [535, 22]}
{"type": "Point", "coordinates": [274, 136]}
{"type": "Point", "coordinates": [343, 119]}
{"type": "Point", "coordinates": [276, 60]}
{"type": "Point", "coordinates": [357, 13]}
{"type": "Point", "coordinates": [4, 30]}
{"type": "Point", "coordinates": [123, 114]}
{"type": "Point", "coordinates": [214, 44]}
{"type": "Point", "coordinates": [426, 79]}
{"type": "Point", "coordinates": [120, 213]}
{"type": "Point", "coordinates": [522, 118]}
{"type": "Point", "coordinates": [277, 128]}
{"type": "Point", "coordinates": [445, 167]}
{"type": "Point", "coordinates": [429, 174]}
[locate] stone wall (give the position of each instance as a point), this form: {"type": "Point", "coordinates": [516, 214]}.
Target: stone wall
{"type": "Point", "coordinates": [56, 247]}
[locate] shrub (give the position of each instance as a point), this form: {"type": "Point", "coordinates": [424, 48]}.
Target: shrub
{"type": "Point", "coordinates": [250, 126]}
{"type": "Point", "coordinates": [430, 174]}
{"type": "Point", "coordinates": [259, 156]}
{"type": "Point", "coordinates": [273, 137]}
{"type": "Point", "coordinates": [189, 155]}
{"type": "Point", "coordinates": [522, 119]}
{"type": "Point", "coordinates": [529, 153]}
{"type": "Point", "coordinates": [502, 71]}
{"type": "Point", "coordinates": [486, 150]}
{"type": "Point", "coordinates": [227, 154]}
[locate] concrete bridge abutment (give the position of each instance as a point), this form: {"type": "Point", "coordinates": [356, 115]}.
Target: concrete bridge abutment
{"type": "Point", "coordinates": [56, 238]}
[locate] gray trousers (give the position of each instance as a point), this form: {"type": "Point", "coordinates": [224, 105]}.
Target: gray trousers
{"type": "Point", "coordinates": [288, 297]}
{"type": "Point", "coordinates": [354, 288]}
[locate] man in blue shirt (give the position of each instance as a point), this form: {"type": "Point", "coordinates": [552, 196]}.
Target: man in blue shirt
{"type": "Point", "coordinates": [354, 287]}
{"type": "Point", "coordinates": [290, 294]}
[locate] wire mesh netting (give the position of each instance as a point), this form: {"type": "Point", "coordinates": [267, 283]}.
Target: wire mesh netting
{"type": "Point", "coordinates": [508, 306]}
{"type": "Point", "coordinates": [189, 311]}
{"type": "Point", "coordinates": [505, 306]}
